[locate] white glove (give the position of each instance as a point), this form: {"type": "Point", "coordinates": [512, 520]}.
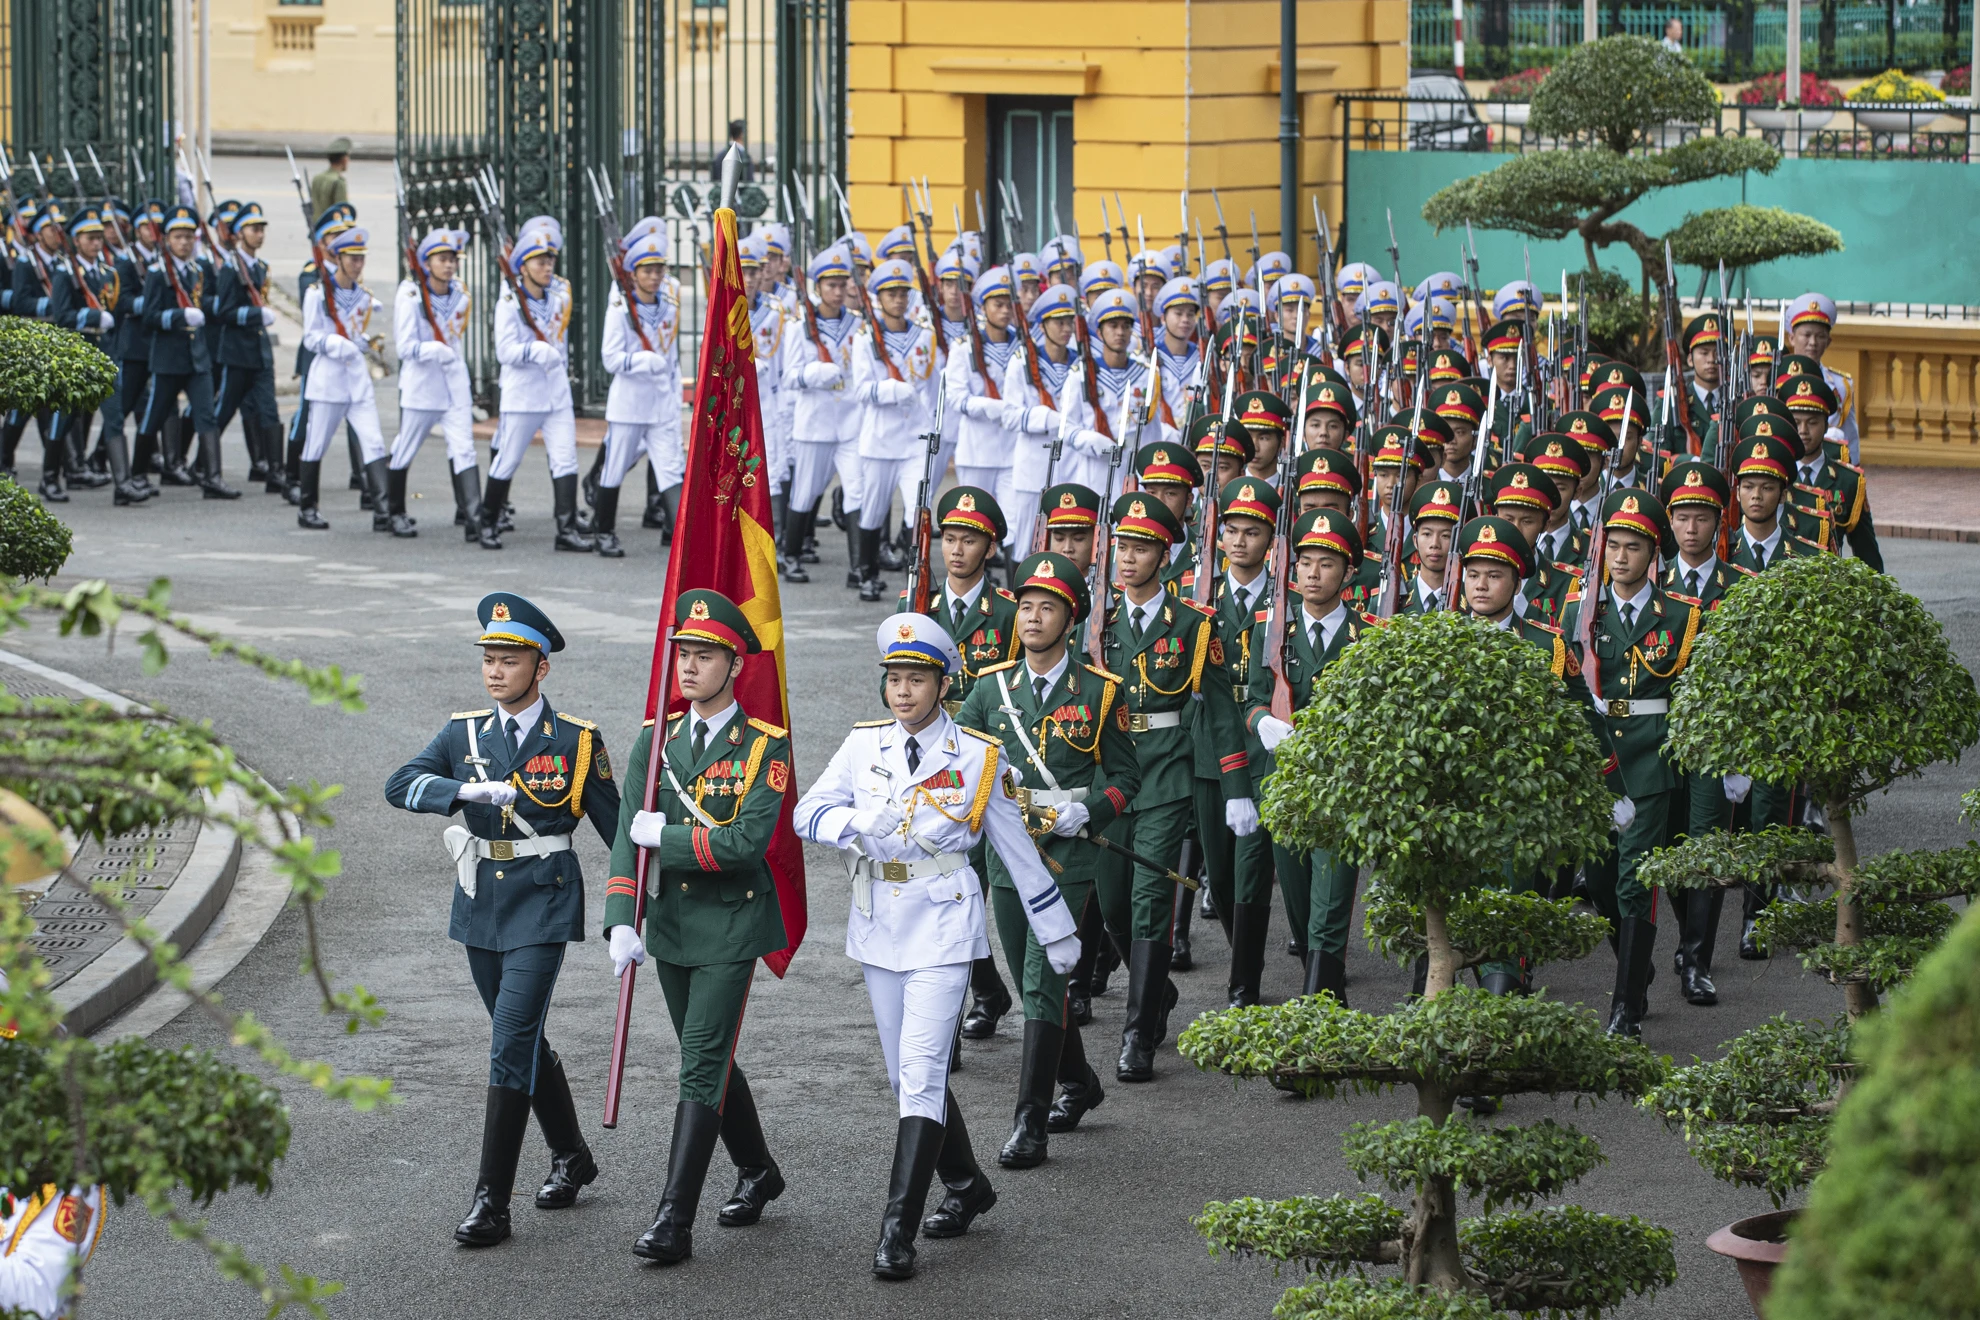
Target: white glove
{"type": "Point", "coordinates": [1071, 820]}
{"type": "Point", "coordinates": [435, 352]}
{"type": "Point", "coordinates": [1737, 787]}
{"type": "Point", "coordinates": [1272, 731]}
{"type": "Point", "coordinates": [893, 393]}
{"type": "Point", "coordinates": [493, 792]}
{"type": "Point", "coordinates": [335, 347]}
{"type": "Point", "coordinates": [823, 375]}
{"type": "Point", "coordinates": [628, 949]}
{"type": "Point", "coordinates": [1041, 420]}
{"type": "Point", "coordinates": [108, 321]}
{"type": "Point", "coordinates": [646, 364]}
{"type": "Point", "coordinates": [1623, 813]}
{"type": "Point", "coordinates": [1012, 418]}
{"type": "Point", "coordinates": [194, 317]}
{"type": "Point", "coordinates": [545, 355]}
{"type": "Point", "coordinates": [1092, 443]}
{"type": "Point", "coordinates": [1241, 814]}
{"type": "Point", "coordinates": [1063, 954]}
{"type": "Point", "coordinates": [878, 822]}
{"type": "Point", "coordinates": [645, 828]}
{"type": "Point", "coordinates": [268, 316]}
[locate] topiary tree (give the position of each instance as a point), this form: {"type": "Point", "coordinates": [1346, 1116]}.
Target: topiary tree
{"type": "Point", "coordinates": [1743, 235]}
{"type": "Point", "coordinates": [1444, 752]}
{"type": "Point", "coordinates": [1610, 103]}
{"type": "Point", "coordinates": [1890, 1232]}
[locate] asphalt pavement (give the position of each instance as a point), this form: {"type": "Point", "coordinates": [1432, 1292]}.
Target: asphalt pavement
{"type": "Point", "coordinates": [371, 1199]}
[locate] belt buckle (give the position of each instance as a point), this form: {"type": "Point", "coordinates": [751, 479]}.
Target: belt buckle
{"type": "Point", "coordinates": [501, 850]}
{"type": "Point", "coordinates": [894, 873]}
{"type": "Point", "coordinates": [1137, 724]}
{"type": "Point", "coordinates": [1618, 708]}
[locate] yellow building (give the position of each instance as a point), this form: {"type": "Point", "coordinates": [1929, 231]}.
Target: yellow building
{"type": "Point", "coordinates": [304, 68]}
{"type": "Point", "coordinates": [1085, 101]}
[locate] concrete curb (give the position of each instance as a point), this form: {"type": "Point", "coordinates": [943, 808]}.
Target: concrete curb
{"type": "Point", "coordinates": [1916, 532]}
{"type": "Point", "coordinates": [123, 974]}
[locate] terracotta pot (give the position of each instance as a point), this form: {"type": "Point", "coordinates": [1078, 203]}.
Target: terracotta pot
{"type": "Point", "coordinates": [1757, 1246]}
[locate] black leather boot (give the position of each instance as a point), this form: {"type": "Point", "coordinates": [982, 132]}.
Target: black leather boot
{"type": "Point", "coordinates": [1080, 1091]}
{"type": "Point", "coordinates": [211, 487]}
{"type": "Point", "coordinates": [571, 1164]}
{"type": "Point", "coordinates": [356, 452]}
{"type": "Point", "coordinates": [261, 455]}
{"type": "Point", "coordinates": [123, 489]}
{"type": "Point", "coordinates": [1038, 1066]}
{"type": "Point", "coordinates": [51, 469]}
{"type": "Point", "coordinates": [605, 522]}
{"type": "Point", "coordinates": [1181, 957]}
{"type": "Point", "coordinates": [871, 588]}
{"type": "Point", "coordinates": [654, 517]}
{"type": "Point", "coordinates": [1492, 983]}
{"type": "Point", "coordinates": [1151, 994]}
{"type": "Point", "coordinates": [568, 535]}
{"type": "Point", "coordinates": [917, 1143]}
{"type": "Point", "coordinates": [1328, 972]}
{"type": "Point", "coordinates": [671, 1238]}
{"type": "Point", "coordinates": [887, 551]}
{"type": "Point", "coordinates": [395, 503]}
{"type": "Point", "coordinates": [171, 454]}
{"type": "Point", "coordinates": [790, 548]}
{"type": "Point", "coordinates": [488, 529]}
{"type": "Point", "coordinates": [1419, 973]}
{"type": "Point", "coordinates": [143, 455]}
{"type": "Point", "coordinates": [852, 551]}
{"type": "Point", "coordinates": [77, 474]}
{"type": "Point", "coordinates": [1079, 982]}
{"type": "Point", "coordinates": [780, 514]}
{"type": "Point", "coordinates": [1636, 940]}
{"type": "Point", "coordinates": [809, 553]}
{"type": "Point", "coordinates": [592, 478]}
{"type": "Point", "coordinates": [758, 1179]}
{"type": "Point", "coordinates": [307, 517]}
{"type": "Point", "coordinates": [467, 503]}
{"type": "Point", "coordinates": [990, 1000]}
{"type": "Point", "coordinates": [1251, 924]}
{"type": "Point", "coordinates": [1108, 960]}
{"type": "Point", "coordinates": [292, 471]}
{"type": "Point", "coordinates": [1753, 898]}
{"type": "Point", "coordinates": [966, 1192]}
{"type": "Point", "coordinates": [1700, 933]}
{"type": "Point", "coordinates": [377, 490]}
{"type": "Point", "coordinates": [274, 443]}
{"type": "Point", "coordinates": [502, 1128]}
{"type": "Point", "coordinates": [670, 510]}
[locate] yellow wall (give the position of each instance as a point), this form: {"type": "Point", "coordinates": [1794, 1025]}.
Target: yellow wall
{"type": "Point", "coordinates": [1169, 94]}
{"type": "Point", "coordinates": [325, 68]}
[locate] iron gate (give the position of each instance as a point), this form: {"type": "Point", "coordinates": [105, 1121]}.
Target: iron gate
{"type": "Point", "coordinates": [90, 75]}
{"type": "Point", "coordinates": [644, 91]}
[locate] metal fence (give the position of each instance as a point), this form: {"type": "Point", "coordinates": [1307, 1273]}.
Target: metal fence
{"type": "Point", "coordinates": [1728, 41]}
{"type": "Point", "coordinates": [89, 75]}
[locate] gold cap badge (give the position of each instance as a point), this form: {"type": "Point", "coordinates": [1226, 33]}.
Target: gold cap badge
{"type": "Point", "coordinates": [499, 614]}
{"type": "Point", "coordinates": [698, 610]}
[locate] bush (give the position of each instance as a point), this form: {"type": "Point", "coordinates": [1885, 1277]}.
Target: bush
{"type": "Point", "coordinates": [1519, 87]}
{"type": "Point", "coordinates": [1767, 91]}
{"type": "Point", "coordinates": [34, 543]}
{"type": "Point", "coordinates": [1745, 235]}
{"type": "Point", "coordinates": [45, 367]}
{"type": "Point", "coordinates": [1896, 87]}
{"type": "Point", "coordinates": [1958, 82]}
{"type": "Point", "coordinates": [1618, 90]}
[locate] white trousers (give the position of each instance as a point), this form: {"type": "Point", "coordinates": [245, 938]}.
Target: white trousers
{"type": "Point", "coordinates": [816, 461]}
{"type": "Point", "coordinates": [910, 482]}
{"type": "Point", "coordinates": [1000, 482]}
{"type": "Point", "coordinates": [916, 1013]}
{"type": "Point", "coordinates": [1022, 516]}
{"type": "Point", "coordinates": [626, 441]}
{"type": "Point", "coordinates": [516, 429]}
{"type": "Point", "coordinates": [878, 477]}
{"type": "Point", "coordinates": [456, 428]}
{"type": "Point", "coordinates": [325, 418]}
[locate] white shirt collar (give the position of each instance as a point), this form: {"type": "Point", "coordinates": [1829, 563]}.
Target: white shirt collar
{"type": "Point", "coordinates": [1424, 590]}
{"type": "Point", "coordinates": [1255, 588]}
{"type": "Point", "coordinates": [1703, 571]}
{"type": "Point", "coordinates": [1640, 601]}
{"type": "Point", "coordinates": [1051, 676]}
{"type": "Point", "coordinates": [968, 598]}
{"type": "Point", "coordinates": [525, 719]}
{"type": "Point", "coordinates": [1513, 615]}
{"type": "Point", "coordinates": [1327, 625]}
{"type": "Point", "coordinates": [716, 722]}
{"type": "Point", "coordinates": [930, 737]}
{"type": "Point", "coordinates": [1811, 468]}
{"type": "Point", "coordinates": [1768, 545]}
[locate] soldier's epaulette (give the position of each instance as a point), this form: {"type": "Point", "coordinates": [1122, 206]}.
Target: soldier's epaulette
{"type": "Point", "coordinates": [1694, 601]}
{"type": "Point", "coordinates": [765, 726]}
{"type": "Point", "coordinates": [1543, 626]}
{"type": "Point", "coordinates": [470, 714]}
{"type": "Point", "coordinates": [990, 738]}
{"type": "Point", "coordinates": [1570, 598]}
{"type": "Point", "coordinates": [991, 669]}
{"type": "Point", "coordinates": [1261, 615]}
{"type": "Point", "coordinates": [582, 724]}
{"type": "Point", "coordinates": [1005, 594]}
{"type": "Point", "coordinates": [1816, 546]}
{"type": "Point", "coordinates": [1096, 669]}
{"type": "Point", "coordinates": [1205, 610]}
{"type": "Point", "coordinates": [1740, 568]}
{"type": "Point", "coordinates": [1572, 570]}
{"type": "Point", "coordinates": [871, 724]}
{"type": "Point", "coordinates": [1373, 620]}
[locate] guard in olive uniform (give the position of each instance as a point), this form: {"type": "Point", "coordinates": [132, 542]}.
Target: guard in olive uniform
{"type": "Point", "coordinates": [711, 912]}
{"type": "Point", "coordinates": [1525, 496]}
{"type": "Point", "coordinates": [522, 776]}
{"type": "Point", "coordinates": [1064, 728]}
{"type": "Point", "coordinates": [1642, 642]}
{"type": "Point", "coordinates": [1825, 480]}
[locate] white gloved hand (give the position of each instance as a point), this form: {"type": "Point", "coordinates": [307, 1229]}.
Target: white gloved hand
{"type": "Point", "coordinates": [338, 349]}
{"type": "Point", "coordinates": [1272, 731]}
{"type": "Point", "coordinates": [437, 353]}
{"type": "Point", "coordinates": [645, 828]}
{"type": "Point", "coordinates": [1041, 420]}
{"type": "Point", "coordinates": [494, 793]}
{"type": "Point", "coordinates": [823, 375]}
{"type": "Point", "coordinates": [1092, 443]}
{"type": "Point", "coordinates": [628, 949]}
{"type": "Point", "coordinates": [646, 364]}
{"type": "Point", "coordinates": [1737, 787]}
{"type": "Point", "coordinates": [1623, 813]}
{"type": "Point", "coordinates": [545, 355]}
{"type": "Point", "coordinates": [1241, 814]}
{"type": "Point", "coordinates": [1063, 954]}
{"type": "Point", "coordinates": [268, 316]}
{"type": "Point", "coordinates": [893, 393]}
{"type": "Point", "coordinates": [1071, 820]}
{"type": "Point", "coordinates": [1012, 417]}
{"type": "Point", "coordinates": [194, 317]}
{"type": "Point", "coordinates": [878, 822]}
{"type": "Point", "coordinates": [107, 321]}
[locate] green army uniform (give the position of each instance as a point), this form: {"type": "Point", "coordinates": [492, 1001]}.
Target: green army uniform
{"type": "Point", "coordinates": [1528, 488]}
{"type": "Point", "coordinates": [1317, 887]}
{"type": "Point", "coordinates": [1639, 660]}
{"type": "Point", "coordinates": [1511, 419]}
{"type": "Point", "coordinates": [1706, 329]}
{"type": "Point", "coordinates": [1834, 489]}
{"type": "Point", "coordinates": [1394, 446]}
{"type": "Point", "coordinates": [1335, 471]}
{"type": "Point", "coordinates": [1805, 510]}
{"type": "Point", "coordinates": [711, 912]}
{"type": "Point", "coordinates": [1434, 502]}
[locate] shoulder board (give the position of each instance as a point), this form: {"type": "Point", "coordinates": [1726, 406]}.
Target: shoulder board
{"type": "Point", "coordinates": [1740, 568]}
{"type": "Point", "coordinates": [647, 725]}
{"type": "Point", "coordinates": [1848, 467]}
{"type": "Point", "coordinates": [1372, 620]}
{"type": "Point", "coordinates": [471, 714]}
{"type": "Point", "coordinates": [1205, 610]}
{"type": "Point", "coordinates": [677, 715]}
{"type": "Point", "coordinates": [1006, 595]}
{"type": "Point", "coordinates": [1816, 546]}
{"type": "Point", "coordinates": [1543, 626]}
{"type": "Point", "coordinates": [1572, 570]}
{"type": "Point", "coordinates": [1692, 601]}
{"type": "Point", "coordinates": [990, 738]}
{"type": "Point", "coordinates": [582, 724]}
{"type": "Point", "coordinates": [1096, 669]}
{"type": "Point", "coordinates": [765, 726]}
{"type": "Point", "coordinates": [991, 669]}
{"type": "Point", "coordinates": [870, 724]}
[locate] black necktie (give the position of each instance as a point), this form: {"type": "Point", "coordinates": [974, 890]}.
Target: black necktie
{"type": "Point", "coordinates": [1140, 619]}
{"type": "Point", "coordinates": [1691, 582]}
{"type": "Point", "coordinates": [962, 608]}
{"type": "Point", "coordinates": [1039, 684]}
{"type": "Point", "coordinates": [1244, 600]}
{"type": "Point", "coordinates": [515, 734]}
{"type": "Point", "coordinates": [914, 755]}
{"type": "Point", "coordinates": [700, 738]}
{"type": "Point", "coordinates": [1629, 616]}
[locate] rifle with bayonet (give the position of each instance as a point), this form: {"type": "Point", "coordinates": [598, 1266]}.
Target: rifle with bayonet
{"type": "Point", "coordinates": [1323, 239]}
{"type": "Point", "coordinates": [920, 568]}
{"type": "Point", "coordinates": [1206, 528]}
{"type": "Point", "coordinates": [1277, 650]}
{"type": "Point", "coordinates": [1101, 574]}
{"type": "Point", "coordinates": [414, 271]}
{"type": "Point", "coordinates": [488, 201]}
{"type": "Point", "coordinates": [1223, 234]}
{"type": "Point", "coordinates": [1674, 361]}
{"type": "Point", "coordinates": [1591, 567]}
{"type": "Point", "coordinates": [919, 205]}
{"type": "Point", "coordinates": [608, 229]}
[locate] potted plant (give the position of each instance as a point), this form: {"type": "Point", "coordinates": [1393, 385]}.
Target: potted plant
{"type": "Point", "coordinates": [1485, 769]}
{"type": "Point", "coordinates": [1764, 95]}
{"type": "Point", "coordinates": [1824, 673]}
{"type": "Point", "coordinates": [1895, 88]}
{"type": "Point", "coordinates": [1507, 101]}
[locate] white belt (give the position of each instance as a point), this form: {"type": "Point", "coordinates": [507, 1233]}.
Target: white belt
{"type": "Point", "coordinates": [1619, 709]}
{"type": "Point", "coordinates": [468, 851]}
{"type": "Point", "coordinates": [1160, 719]}
{"type": "Point", "coordinates": [893, 873]}
{"type": "Point", "coordinates": [1052, 797]}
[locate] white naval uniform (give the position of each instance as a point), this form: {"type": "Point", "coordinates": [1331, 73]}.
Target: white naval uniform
{"type": "Point", "coordinates": [1088, 452]}
{"type": "Point", "coordinates": [1175, 375]}
{"type": "Point", "coordinates": [984, 448]}
{"type": "Point", "coordinates": [1033, 420]}
{"type": "Point", "coordinates": [917, 943]}
{"type": "Point", "coordinates": [338, 388]}
{"type": "Point", "coordinates": [910, 478]}
{"type": "Point", "coordinates": [643, 407]}
{"type": "Point", "coordinates": [891, 444]}
{"type": "Point", "coordinates": [768, 322]}
{"type": "Point", "coordinates": [433, 379]}
{"type": "Point", "coordinates": [39, 1237]}
{"type": "Point", "coordinates": [536, 395]}
{"type": "Point", "coordinates": [824, 414]}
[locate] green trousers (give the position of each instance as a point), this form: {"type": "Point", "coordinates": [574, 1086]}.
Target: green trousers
{"type": "Point", "coordinates": [706, 1005]}
{"type": "Point", "coordinates": [1319, 894]}
{"type": "Point", "coordinates": [1612, 881]}
{"type": "Point", "coordinates": [1139, 902]}
{"type": "Point", "coordinates": [1237, 870]}
{"type": "Point", "coordinates": [1041, 990]}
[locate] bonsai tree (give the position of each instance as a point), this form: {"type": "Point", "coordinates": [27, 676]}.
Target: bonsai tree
{"type": "Point", "coordinates": [1825, 673]}
{"type": "Point", "coordinates": [1742, 235]}
{"type": "Point", "coordinates": [1609, 103]}
{"type": "Point", "coordinates": [1444, 752]}
{"type": "Point", "coordinates": [1889, 1230]}
{"type": "Point", "coordinates": [144, 1121]}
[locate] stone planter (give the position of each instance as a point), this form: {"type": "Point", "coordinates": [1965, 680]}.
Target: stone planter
{"type": "Point", "coordinates": [1773, 119]}
{"type": "Point", "coordinates": [1897, 121]}
{"type": "Point", "coordinates": [1757, 1246]}
{"type": "Point", "coordinates": [1512, 114]}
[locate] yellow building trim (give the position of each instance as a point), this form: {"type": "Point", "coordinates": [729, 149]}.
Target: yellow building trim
{"type": "Point", "coordinates": [993, 76]}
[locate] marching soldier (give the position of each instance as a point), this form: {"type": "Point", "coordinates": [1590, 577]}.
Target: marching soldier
{"type": "Point", "coordinates": [429, 324]}
{"type": "Point", "coordinates": [532, 342]}
{"type": "Point", "coordinates": [640, 348]}
{"type": "Point", "coordinates": [1224, 450]}
{"type": "Point", "coordinates": [893, 378]}
{"type": "Point", "coordinates": [132, 349]}
{"type": "Point", "coordinates": [1071, 511]}
{"type": "Point", "coordinates": [1763, 472]}
{"type": "Point", "coordinates": [84, 298]}
{"type": "Point", "coordinates": [1567, 463]}
{"type": "Point", "coordinates": [1065, 730]}
{"type": "Point", "coordinates": [711, 912]}
{"type": "Point", "coordinates": [328, 223]}
{"type": "Point", "coordinates": [245, 352]}
{"type": "Point", "coordinates": [1163, 469]}
{"type": "Point", "coordinates": [337, 314]}
{"type": "Point", "coordinates": [985, 452]}
{"type": "Point", "coordinates": [1706, 399]}
{"type": "Point", "coordinates": [1266, 417]}
{"type": "Point", "coordinates": [1433, 519]}
{"type": "Point", "coordinates": [1330, 411]}
{"type": "Point", "coordinates": [1512, 413]}
{"type": "Point", "coordinates": [825, 416]}
{"type": "Point", "coordinates": [1525, 496]}
{"type": "Point", "coordinates": [32, 296]}
{"type": "Point", "coordinates": [45, 1235]}
{"type": "Point", "coordinates": [1033, 383]}
{"type": "Point", "coordinates": [1824, 481]}
{"type": "Point", "coordinates": [179, 296]}
{"type": "Point", "coordinates": [1811, 320]}
{"type": "Point", "coordinates": [910, 799]}
{"type": "Point", "coordinates": [522, 775]}
{"type": "Point", "coordinates": [1460, 408]}
{"type": "Point", "coordinates": [1098, 444]}
{"type": "Point", "coordinates": [1178, 353]}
